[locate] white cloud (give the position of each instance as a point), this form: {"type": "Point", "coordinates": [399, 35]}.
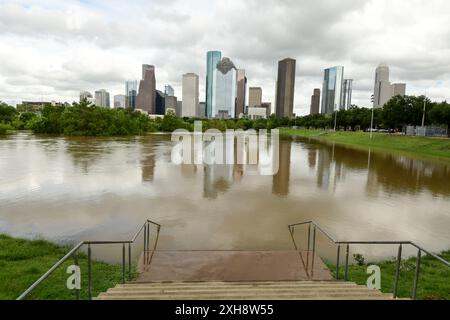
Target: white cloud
{"type": "Point", "coordinates": [54, 49]}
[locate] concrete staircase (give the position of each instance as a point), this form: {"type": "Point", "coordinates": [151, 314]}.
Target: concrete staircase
{"type": "Point", "coordinates": [269, 290]}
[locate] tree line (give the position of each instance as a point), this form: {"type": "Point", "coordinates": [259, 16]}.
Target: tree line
{"type": "Point", "coordinates": [83, 119]}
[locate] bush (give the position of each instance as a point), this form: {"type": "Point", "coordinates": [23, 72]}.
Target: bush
{"type": "Point", "coordinates": [4, 128]}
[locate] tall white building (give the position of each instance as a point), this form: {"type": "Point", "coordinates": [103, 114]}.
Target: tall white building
{"type": "Point", "coordinates": [383, 90]}
{"type": "Point", "coordinates": [190, 95]}
{"type": "Point", "coordinates": [102, 98]}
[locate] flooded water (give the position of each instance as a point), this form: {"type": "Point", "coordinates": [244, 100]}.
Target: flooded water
{"type": "Point", "coordinates": [72, 189]}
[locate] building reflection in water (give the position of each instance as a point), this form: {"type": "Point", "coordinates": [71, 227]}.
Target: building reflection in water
{"type": "Point", "coordinates": [148, 163]}
{"type": "Point", "coordinates": [280, 181]}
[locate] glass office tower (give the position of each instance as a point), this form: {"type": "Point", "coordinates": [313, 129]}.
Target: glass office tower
{"type": "Point", "coordinates": [224, 90]}
{"type": "Point", "coordinates": [131, 93]}
{"type": "Point", "coordinates": [212, 58]}
{"type": "Point", "coordinates": [332, 89]}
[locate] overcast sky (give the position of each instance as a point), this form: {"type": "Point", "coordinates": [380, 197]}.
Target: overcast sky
{"type": "Point", "coordinates": [52, 49]}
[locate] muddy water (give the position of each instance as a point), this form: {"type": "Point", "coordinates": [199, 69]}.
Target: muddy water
{"type": "Point", "coordinates": [72, 189]}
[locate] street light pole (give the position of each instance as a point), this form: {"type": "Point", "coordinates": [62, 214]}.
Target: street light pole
{"type": "Point", "coordinates": [371, 119]}
{"type": "Point", "coordinates": [424, 110]}
{"type": "Point", "coordinates": [335, 117]}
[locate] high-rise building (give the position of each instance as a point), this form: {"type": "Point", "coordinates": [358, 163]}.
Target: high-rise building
{"type": "Point", "coordinates": [146, 97]}
{"type": "Point", "coordinates": [168, 90]}
{"type": "Point", "coordinates": [347, 90]}
{"type": "Point", "coordinates": [179, 108]}
{"type": "Point", "coordinates": [190, 95]}
{"type": "Point", "coordinates": [398, 89]}
{"type": "Point", "coordinates": [268, 107]}
{"type": "Point", "coordinates": [171, 104]}
{"type": "Point", "coordinates": [254, 97]}
{"type": "Point", "coordinates": [88, 96]}
{"type": "Point", "coordinates": [102, 98]}
{"type": "Point", "coordinates": [160, 103]}
{"type": "Point", "coordinates": [120, 101]}
{"type": "Point", "coordinates": [382, 89]}
{"type": "Point", "coordinates": [315, 102]}
{"type": "Point", "coordinates": [224, 90]}
{"type": "Point", "coordinates": [241, 91]}
{"type": "Point", "coordinates": [212, 58]}
{"type": "Point", "coordinates": [131, 93]}
{"type": "Point", "coordinates": [285, 88]}
{"type": "Point", "coordinates": [332, 89]}
{"type": "Point", "coordinates": [202, 109]}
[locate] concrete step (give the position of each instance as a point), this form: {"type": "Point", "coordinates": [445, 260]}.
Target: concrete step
{"type": "Point", "coordinates": [295, 290]}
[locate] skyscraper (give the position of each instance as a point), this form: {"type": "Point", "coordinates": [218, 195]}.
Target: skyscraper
{"type": "Point", "coordinates": [160, 103]}
{"type": "Point", "coordinates": [131, 93]}
{"type": "Point", "coordinates": [382, 89]}
{"type": "Point", "coordinates": [241, 91]}
{"type": "Point", "coordinates": [146, 97]}
{"type": "Point", "coordinates": [168, 90]}
{"type": "Point", "coordinates": [315, 102]}
{"type": "Point", "coordinates": [102, 98]}
{"type": "Point", "coordinates": [190, 95]}
{"type": "Point", "coordinates": [332, 89]}
{"type": "Point", "coordinates": [347, 90]}
{"type": "Point", "coordinates": [254, 97]}
{"type": "Point", "coordinates": [119, 101]}
{"type": "Point", "coordinates": [224, 89]}
{"type": "Point", "coordinates": [285, 88]}
{"type": "Point", "coordinates": [212, 58]}
{"type": "Point", "coordinates": [88, 96]}
{"type": "Point", "coordinates": [398, 89]}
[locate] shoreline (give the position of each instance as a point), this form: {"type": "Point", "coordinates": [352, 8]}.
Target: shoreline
{"type": "Point", "coordinates": [437, 149]}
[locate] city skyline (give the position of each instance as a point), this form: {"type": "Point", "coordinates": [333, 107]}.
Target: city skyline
{"type": "Point", "coordinates": [62, 49]}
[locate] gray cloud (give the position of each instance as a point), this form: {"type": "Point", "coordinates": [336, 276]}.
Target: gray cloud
{"type": "Point", "coordinates": [54, 49]}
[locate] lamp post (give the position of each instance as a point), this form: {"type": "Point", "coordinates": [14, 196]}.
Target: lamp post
{"type": "Point", "coordinates": [424, 109]}
{"type": "Point", "coordinates": [371, 119]}
{"type": "Point", "coordinates": [335, 117]}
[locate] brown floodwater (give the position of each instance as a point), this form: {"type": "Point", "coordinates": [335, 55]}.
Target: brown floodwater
{"type": "Point", "coordinates": [71, 189]}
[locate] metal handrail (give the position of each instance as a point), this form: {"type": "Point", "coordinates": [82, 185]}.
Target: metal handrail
{"type": "Point", "coordinates": [74, 253]}
{"type": "Point", "coordinates": [348, 243]}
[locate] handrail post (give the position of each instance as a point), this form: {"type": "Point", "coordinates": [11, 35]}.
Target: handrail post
{"type": "Point", "coordinates": [347, 251]}
{"type": "Point", "coordinates": [145, 242]}
{"type": "Point", "coordinates": [123, 262]}
{"type": "Point", "coordinates": [397, 271]}
{"type": "Point", "coordinates": [129, 261]}
{"type": "Point", "coordinates": [416, 276]}
{"type": "Point", "coordinates": [337, 261]}
{"type": "Point", "coordinates": [75, 262]}
{"type": "Point", "coordinates": [314, 241]}
{"type": "Point", "coordinates": [309, 237]}
{"type": "Point", "coordinates": [89, 273]}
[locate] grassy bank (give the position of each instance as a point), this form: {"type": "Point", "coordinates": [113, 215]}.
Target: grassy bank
{"type": "Point", "coordinates": [434, 280]}
{"type": "Point", "coordinates": [22, 262]}
{"type": "Point", "coordinates": [4, 128]}
{"type": "Point", "coordinates": [431, 147]}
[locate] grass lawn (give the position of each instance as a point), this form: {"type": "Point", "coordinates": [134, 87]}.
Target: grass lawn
{"type": "Point", "coordinates": [434, 279]}
{"type": "Point", "coordinates": [434, 147]}
{"type": "Point", "coordinates": [22, 262]}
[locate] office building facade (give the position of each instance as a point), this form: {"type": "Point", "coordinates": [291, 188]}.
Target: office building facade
{"type": "Point", "coordinates": [241, 93]}
{"type": "Point", "coordinates": [212, 58]}
{"type": "Point", "coordinates": [168, 90]}
{"type": "Point", "coordinates": [102, 98]}
{"type": "Point", "coordinates": [347, 90]}
{"type": "Point", "coordinates": [332, 89]}
{"type": "Point", "coordinates": [285, 88]}
{"type": "Point", "coordinates": [190, 95]}
{"type": "Point", "coordinates": [131, 93]}
{"type": "Point", "coordinates": [120, 101]}
{"type": "Point", "coordinates": [254, 97]}
{"type": "Point", "coordinates": [224, 90]}
{"type": "Point", "coordinates": [315, 102]}
{"type": "Point", "coordinates": [146, 96]}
